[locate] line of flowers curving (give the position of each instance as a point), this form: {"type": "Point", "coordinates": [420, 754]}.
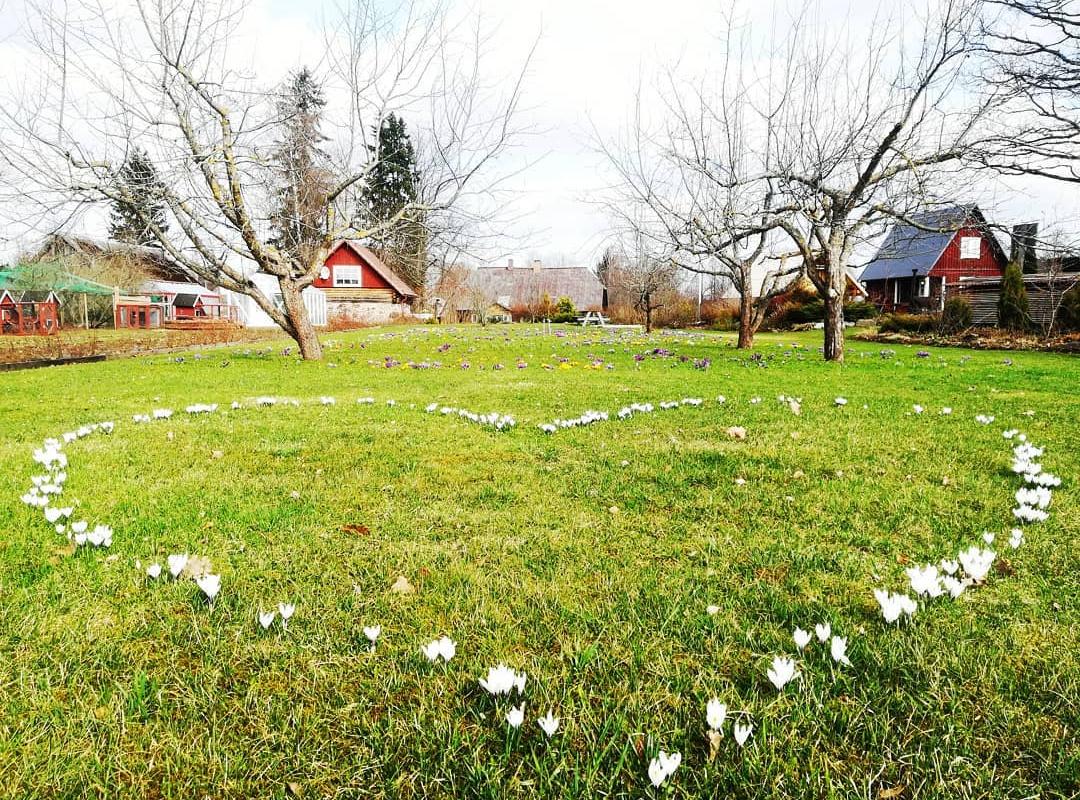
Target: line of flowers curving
{"type": "Point", "coordinates": [947, 579]}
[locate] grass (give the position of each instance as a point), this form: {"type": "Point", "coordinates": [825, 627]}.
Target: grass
{"type": "Point", "coordinates": [547, 553]}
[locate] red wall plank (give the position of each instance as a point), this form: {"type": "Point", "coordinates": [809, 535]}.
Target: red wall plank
{"type": "Point", "coordinates": [952, 267]}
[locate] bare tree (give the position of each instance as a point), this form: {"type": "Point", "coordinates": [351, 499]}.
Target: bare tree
{"type": "Point", "coordinates": [1034, 48]}
{"type": "Point", "coordinates": [864, 142]}
{"type": "Point", "coordinates": [698, 187]}
{"type": "Point", "coordinates": [647, 279]}
{"type": "Point", "coordinates": [164, 78]}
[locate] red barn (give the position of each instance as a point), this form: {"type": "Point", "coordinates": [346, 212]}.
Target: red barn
{"type": "Point", "coordinates": [919, 265]}
{"type": "Point", "coordinates": [359, 286]}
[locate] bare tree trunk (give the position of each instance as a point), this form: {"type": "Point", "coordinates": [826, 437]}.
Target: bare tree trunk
{"type": "Point", "coordinates": [834, 316]}
{"type": "Point", "coordinates": [301, 328]}
{"type": "Point", "coordinates": [648, 317]}
{"type": "Point", "coordinates": [746, 321]}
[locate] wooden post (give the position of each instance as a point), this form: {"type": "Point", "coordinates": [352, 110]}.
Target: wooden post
{"type": "Point", "coordinates": [85, 313]}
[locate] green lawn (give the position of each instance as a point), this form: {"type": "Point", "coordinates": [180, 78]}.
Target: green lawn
{"type": "Point", "coordinates": [587, 558]}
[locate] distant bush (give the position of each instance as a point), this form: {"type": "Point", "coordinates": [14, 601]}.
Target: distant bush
{"type": "Point", "coordinates": [680, 312]}
{"type": "Point", "coordinates": [956, 316]}
{"type": "Point", "coordinates": [564, 311]}
{"type": "Point", "coordinates": [909, 323]}
{"type": "Point", "coordinates": [1013, 312]}
{"type": "Point", "coordinates": [1068, 316]}
{"type": "Point", "coordinates": [720, 315]}
{"type": "Point", "coordinates": [859, 309]}
{"type": "Point", "coordinates": [797, 312]}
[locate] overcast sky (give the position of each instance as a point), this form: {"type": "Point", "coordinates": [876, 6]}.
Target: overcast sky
{"type": "Point", "coordinates": [590, 57]}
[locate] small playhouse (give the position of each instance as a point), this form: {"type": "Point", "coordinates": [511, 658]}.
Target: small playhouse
{"type": "Point", "coordinates": [29, 312]}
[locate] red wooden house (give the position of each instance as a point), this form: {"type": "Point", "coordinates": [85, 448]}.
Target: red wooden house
{"type": "Point", "coordinates": [919, 265]}
{"type": "Point", "coordinates": [358, 285]}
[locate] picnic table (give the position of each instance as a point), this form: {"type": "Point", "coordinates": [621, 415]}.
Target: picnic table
{"type": "Point", "coordinates": [593, 317]}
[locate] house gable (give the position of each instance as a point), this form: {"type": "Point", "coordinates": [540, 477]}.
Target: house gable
{"type": "Point", "coordinates": [956, 259]}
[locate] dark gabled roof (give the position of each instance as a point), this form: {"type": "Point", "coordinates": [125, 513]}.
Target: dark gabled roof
{"type": "Point", "coordinates": [909, 248]}
{"type": "Point", "coordinates": [376, 263]}
{"type": "Point", "coordinates": [185, 300]}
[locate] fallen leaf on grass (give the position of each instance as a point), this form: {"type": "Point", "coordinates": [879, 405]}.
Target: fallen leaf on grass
{"type": "Point", "coordinates": [359, 530]}
{"type": "Point", "coordinates": [402, 586]}
{"type": "Point", "coordinates": [736, 432]}
{"type": "Point", "coordinates": [196, 567]}
{"type": "Point", "coordinates": [886, 794]}
{"type": "Point", "coordinates": [1004, 567]}
{"type": "Point", "coordinates": [715, 738]}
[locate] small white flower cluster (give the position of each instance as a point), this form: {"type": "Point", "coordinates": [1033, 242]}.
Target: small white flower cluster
{"type": "Point", "coordinates": [49, 486]}
{"type": "Point", "coordinates": [201, 408]}
{"type": "Point", "coordinates": [209, 583]}
{"type": "Point", "coordinates": [972, 565]}
{"type": "Point", "coordinates": [984, 419]}
{"type": "Point", "coordinates": [587, 418]}
{"type": "Point", "coordinates": [493, 419]}
{"type": "Point", "coordinates": [157, 413]}
{"type": "Point", "coordinates": [1031, 503]}
{"type": "Point", "coordinates": [635, 408]}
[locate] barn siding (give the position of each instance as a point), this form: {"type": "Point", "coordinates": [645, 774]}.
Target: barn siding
{"type": "Point", "coordinates": [1044, 297]}
{"type": "Point", "coordinates": [950, 266]}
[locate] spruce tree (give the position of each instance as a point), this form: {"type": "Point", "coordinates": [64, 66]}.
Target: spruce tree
{"type": "Point", "coordinates": [1013, 312]}
{"type": "Point", "coordinates": [394, 185]}
{"type": "Point", "coordinates": [301, 168]}
{"type": "Point", "coordinates": [133, 221]}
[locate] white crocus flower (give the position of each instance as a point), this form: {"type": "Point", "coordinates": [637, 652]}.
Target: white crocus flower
{"type": "Point", "coordinates": [210, 585]}
{"type": "Point", "coordinates": [176, 562]}
{"type": "Point", "coordinates": [548, 724]}
{"type": "Point", "coordinates": [802, 638]}
{"type": "Point", "coordinates": [515, 716]}
{"type": "Point", "coordinates": [715, 713]}
{"type": "Point", "coordinates": [782, 672]}
{"type": "Point", "coordinates": [823, 632]}
{"type": "Point", "coordinates": [266, 619]}
{"type": "Point", "coordinates": [661, 767]}
{"type": "Point", "coordinates": [153, 571]}
{"type": "Point", "coordinates": [742, 733]}
{"type": "Point", "coordinates": [838, 649]}
{"type": "Point", "coordinates": [286, 610]}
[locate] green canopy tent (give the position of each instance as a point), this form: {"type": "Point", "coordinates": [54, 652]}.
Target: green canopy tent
{"type": "Point", "coordinates": [50, 276]}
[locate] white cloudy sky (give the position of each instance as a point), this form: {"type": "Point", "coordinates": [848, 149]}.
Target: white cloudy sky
{"type": "Point", "coordinates": [589, 60]}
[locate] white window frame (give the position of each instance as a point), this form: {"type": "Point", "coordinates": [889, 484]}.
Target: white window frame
{"type": "Point", "coordinates": [350, 269]}
{"type": "Point", "coordinates": [896, 292]}
{"type": "Point", "coordinates": [966, 245]}
{"type": "Point", "coordinates": [924, 287]}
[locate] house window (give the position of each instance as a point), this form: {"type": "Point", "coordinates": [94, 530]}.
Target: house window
{"type": "Point", "coordinates": [346, 275]}
{"type": "Point", "coordinates": [924, 287]}
{"type": "Point", "coordinates": [970, 247]}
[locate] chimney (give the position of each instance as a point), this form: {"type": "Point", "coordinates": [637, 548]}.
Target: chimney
{"type": "Point", "coordinates": [1023, 246]}
{"type": "Point", "coordinates": [536, 265]}
{"type": "Point", "coordinates": [509, 263]}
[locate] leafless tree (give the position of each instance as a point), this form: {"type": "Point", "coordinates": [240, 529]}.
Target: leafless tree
{"type": "Point", "coordinates": [163, 77]}
{"type": "Point", "coordinates": [647, 279]}
{"type": "Point", "coordinates": [866, 140]}
{"type": "Point", "coordinates": [827, 146]}
{"type": "Point", "coordinates": [1034, 48]}
{"type": "Point", "coordinates": [697, 185]}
